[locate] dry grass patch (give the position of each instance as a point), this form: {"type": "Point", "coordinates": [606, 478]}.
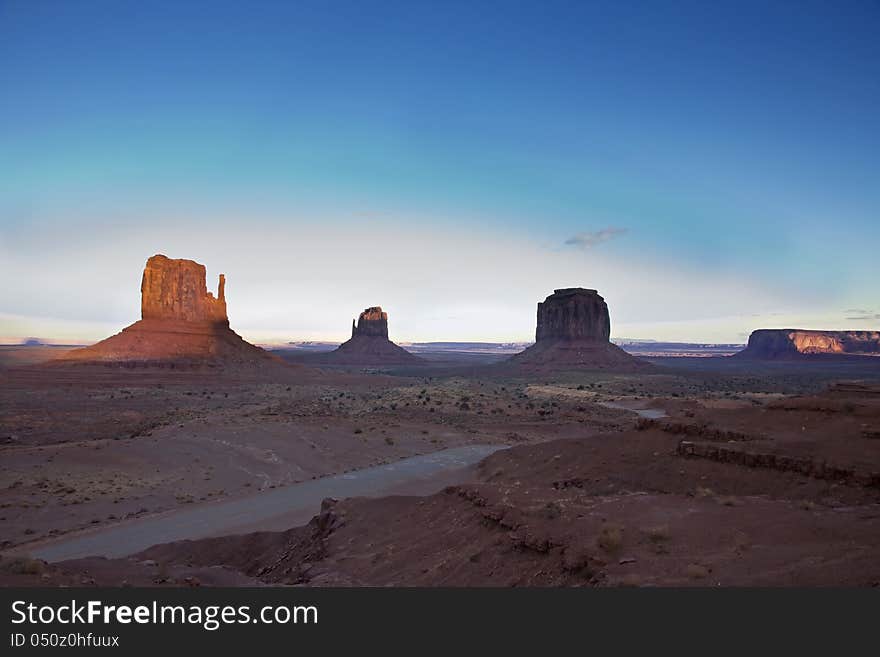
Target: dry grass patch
{"type": "Point", "coordinates": [696, 571]}
{"type": "Point", "coordinates": [610, 538]}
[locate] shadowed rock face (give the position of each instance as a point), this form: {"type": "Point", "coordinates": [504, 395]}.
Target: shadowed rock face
{"type": "Point", "coordinates": [573, 332]}
{"type": "Point", "coordinates": [369, 343]}
{"type": "Point", "coordinates": [573, 313]}
{"type": "Point", "coordinates": [792, 343]}
{"type": "Point", "coordinates": [372, 322]}
{"type": "Point", "coordinates": [176, 290]}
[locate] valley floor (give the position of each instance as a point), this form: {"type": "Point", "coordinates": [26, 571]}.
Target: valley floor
{"type": "Point", "coordinates": [747, 475]}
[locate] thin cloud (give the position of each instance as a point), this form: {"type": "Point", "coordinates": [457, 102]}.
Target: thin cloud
{"type": "Point", "coordinates": [589, 239]}
{"type": "Point", "coordinates": [864, 318]}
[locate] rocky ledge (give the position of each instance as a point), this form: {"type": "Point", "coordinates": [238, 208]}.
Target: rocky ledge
{"type": "Point", "coordinates": [795, 343]}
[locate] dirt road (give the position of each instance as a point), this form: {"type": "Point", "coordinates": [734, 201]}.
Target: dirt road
{"type": "Point", "coordinates": [273, 509]}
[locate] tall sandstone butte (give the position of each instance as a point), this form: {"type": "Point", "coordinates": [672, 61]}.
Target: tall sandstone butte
{"type": "Point", "coordinates": [798, 343]}
{"type": "Point", "coordinates": [372, 322]}
{"type": "Point", "coordinates": [176, 290]}
{"type": "Point", "coordinates": [574, 332]}
{"type": "Point", "coordinates": [369, 343]}
{"type": "Point", "coordinates": [573, 313]}
{"type": "Point", "coordinates": [182, 324]}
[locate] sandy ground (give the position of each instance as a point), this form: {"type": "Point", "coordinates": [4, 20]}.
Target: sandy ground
{"type": "Point", "coordinates": [81, 451]}
{"type": "Point", "coordinates": [89, 450]}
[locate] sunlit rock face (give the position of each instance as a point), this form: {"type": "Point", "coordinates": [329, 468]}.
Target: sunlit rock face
{"type": "Point", "coordinates": [372, 322]}
{"type": "Point", "coordinates": [182, 325]}
{"type": "Point", "coordinates": [792, 343]}
{"type": "Point", "coordinates": [176, 290]}
{"type": "Point", "coordinates": [573, 313]}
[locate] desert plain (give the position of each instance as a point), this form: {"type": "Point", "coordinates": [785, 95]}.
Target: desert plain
{"type": "Point", "coordinates": [696, 471]}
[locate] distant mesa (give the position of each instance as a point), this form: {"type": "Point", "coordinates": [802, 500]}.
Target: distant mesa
{"type": "Point", "coordinates": [773, 344]}
{"type": "Point", "coordinates": [182, 324]}
{"type": "Point", "coordinates": [369, 343]}
{"type": "Point", "coordinates": [573, 332]}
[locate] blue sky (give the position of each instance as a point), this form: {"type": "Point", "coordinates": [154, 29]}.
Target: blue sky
{"type": "Point", "coordinates": [710, 167]}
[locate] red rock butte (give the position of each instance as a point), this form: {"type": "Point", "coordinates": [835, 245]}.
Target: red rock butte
{"type": "Point", "coordinates": [372, 322]}
{"type": "Point", "coordinates": [182, 324]}
{"type": "Point", "coordinates": [573, 332]}
{"type": "Point", "coordinates": [369, 343]}
{"type": "Point", "coordinates": [176, 290]}
{"type": "Point", "coordinates": [799, 343]}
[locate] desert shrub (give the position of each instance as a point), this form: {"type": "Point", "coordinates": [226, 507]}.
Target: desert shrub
{"type": "Point", "coordinates": [610, 538]}
{"type": "Point", "coordinates": [23, 565]}
{"type": "Point", "coordinates": [658, 534]}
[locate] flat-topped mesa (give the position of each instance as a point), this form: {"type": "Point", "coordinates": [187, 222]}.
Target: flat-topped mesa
{"type": "Point", "coordinates": [794, 343]}
{"type": "Point", "coordinates": [573, 332]}
{"type": "Point", "coordinates": [372, 322]}
{"type": "Point", "coordinates": [176, 290]}
{"type": "Point", "coordinates": [573, 313]}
